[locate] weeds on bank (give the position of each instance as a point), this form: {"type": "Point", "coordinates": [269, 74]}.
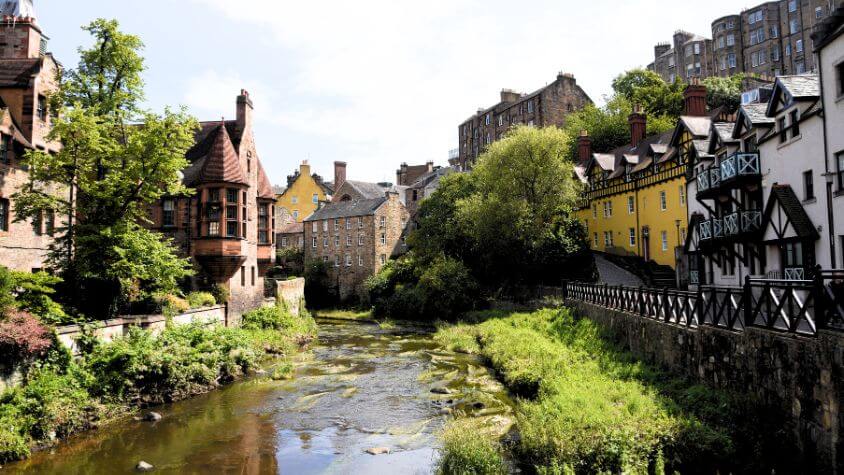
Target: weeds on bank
{"type": "Point", "coordinates": [585, 406]}
{"type": "Point", "coordinates": [468, 451]}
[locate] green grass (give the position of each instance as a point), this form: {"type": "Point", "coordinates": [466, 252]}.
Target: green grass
{"type": "Point", "coordinates": [467, 450]}
{"type": "Point", "coordinates": [585, 406]}
{"type": "Point", "coordinates": [338, 314]}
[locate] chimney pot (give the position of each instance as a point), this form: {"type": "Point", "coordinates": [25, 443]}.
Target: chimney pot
{"type": "Point", "coordinates": [638, 126]}
{"type": "Point", "coordinates": [339, 175]}
{"type": "Point", "coordinates": [694, 99]}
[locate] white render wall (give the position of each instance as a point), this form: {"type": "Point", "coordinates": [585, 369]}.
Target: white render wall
{"type": "Point", "coordinates": [831, 56]}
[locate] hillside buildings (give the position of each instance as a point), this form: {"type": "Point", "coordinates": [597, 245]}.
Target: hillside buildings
{"type": "Point", "coordinates": [28, 76]}
{"type": "Point", "coordinates": [769, 39]}
{"type": "Point", "coordinates": [302, 195]}
{"type": "Point", "coordinates": [547, 106]}
{"type": "Point", "coordinates": [227, 226]}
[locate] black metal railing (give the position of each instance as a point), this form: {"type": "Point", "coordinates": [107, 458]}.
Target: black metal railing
{"type": "Point", "coordinates": [799, 307]}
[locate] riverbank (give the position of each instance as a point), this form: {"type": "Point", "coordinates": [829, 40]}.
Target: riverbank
{"type": "Point", "coordinates": [587, 406]}
{"type": "Point", "coordinates": [63, 396]}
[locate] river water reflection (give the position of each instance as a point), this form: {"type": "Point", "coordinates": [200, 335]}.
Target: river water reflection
{"type": "Point", "coordinates": [361, 387]}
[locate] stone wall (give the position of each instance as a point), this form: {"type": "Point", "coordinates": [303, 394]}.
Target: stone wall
{"type": "Point", "coordinates": [291, 293]}
{"type": "Point", "coordinates": [801, 377]}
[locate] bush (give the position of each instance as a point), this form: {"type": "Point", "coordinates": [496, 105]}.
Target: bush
{"type": "Point", "coordinates": [467, 450]}
{"type": "Point", "coordinates": [22, 336]}
{"type": "Point", "coordinates": [220, 293]}
{"type": "Point", "coordinates": [171, 305]}
{"type": "Point", "coordinates": [201, 299]}
{"type": "Point", "coordinates": [32, 293]}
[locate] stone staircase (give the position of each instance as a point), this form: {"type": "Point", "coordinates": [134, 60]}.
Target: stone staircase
{"type": "Point", "coordinates": [651, 273]}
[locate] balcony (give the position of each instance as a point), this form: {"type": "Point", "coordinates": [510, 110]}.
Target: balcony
{"type": "Point", "coordinates": [705, 230]}
{"type": "Point", "coordinates": [737, 226]}
{"type": "Point", "coordinates": [708, 183]}
{"type": "Point", "coordinates": [740, 168]}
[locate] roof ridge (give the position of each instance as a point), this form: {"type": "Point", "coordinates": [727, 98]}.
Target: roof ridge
{"type": "Point", "coordinates": [222, 163]}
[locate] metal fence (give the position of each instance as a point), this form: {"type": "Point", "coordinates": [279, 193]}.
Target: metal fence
{"type": "Point", "coordinates": [800, 307]}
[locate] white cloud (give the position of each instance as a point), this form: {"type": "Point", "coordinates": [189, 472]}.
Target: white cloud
{"type": "Point", "coordinates": [388, 81]}
{"type": "Point", "coordinates": [210, 94]}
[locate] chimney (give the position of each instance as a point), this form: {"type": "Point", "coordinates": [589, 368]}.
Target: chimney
{"type": "Point", "coordinates": [509, 96]}
{"type": "Point", "coordinates": [694, 99]}
{"type": "Point", "coordinates": [244, 111]}
{"type": "Point", "coordinates": [584, 147]}
{"type": "Point", "coordinates": [430, 166]}
{"type": "Point", "coordinates": [339, 175]}
{"type": "Point", "coordinates": [638, 126]}
{"type": "Point", "coordinates": [305, 168]}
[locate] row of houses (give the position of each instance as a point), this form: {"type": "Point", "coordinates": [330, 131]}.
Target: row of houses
{"type": "Point", "coordinates": [732, 193]}
{"type": "Point", "coordinates": [769, 39]}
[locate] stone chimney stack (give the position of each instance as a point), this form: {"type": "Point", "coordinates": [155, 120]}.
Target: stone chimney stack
{"type": "Point", "coordinates": [584, 147]}
{"type": "Point", "coordinates": [509, 96]}
{"type": "Point", "coordinates": [638, 126]}
{"type": "Point", "coordinates": [305, 168]}
{"type": "Point", "coordinates": [430, 166]}
{"type": "Point", "coordinates": [339, 175]}
{"type": "Point", "coordinates": [244, 111]}
{"type": "Point", "coordinates": [694, 99]}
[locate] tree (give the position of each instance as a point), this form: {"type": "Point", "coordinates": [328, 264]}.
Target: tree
{"type": "Point", "coordinates": [724, 92]}
{"type": "Point", "coordinates": [117, 160]}
{"type": "Point", "coordinates": [439, 231]}
{"type": "Point", "coordinates": [648, 89]}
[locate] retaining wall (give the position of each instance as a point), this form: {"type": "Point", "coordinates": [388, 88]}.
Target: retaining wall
{"type": "Point", "coordinates": [802, 377]}
{"type": "Point", "coordinates": [292, 293]}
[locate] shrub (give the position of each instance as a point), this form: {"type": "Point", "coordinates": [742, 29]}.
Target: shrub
{"type": "Point", "coordinates": [22, 336]}
{"type": "Point", "coordinates": [33, 293]}
{"type": "Point", "coordinates": [171, 305]}
{"type": "Point", "coordinates": [220, 293]}
{"type": "Point", "coordinates": [467, 450]}
{"type": "Point", "coordinates": [201, 299]}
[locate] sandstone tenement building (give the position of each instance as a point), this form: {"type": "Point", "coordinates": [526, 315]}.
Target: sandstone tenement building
{"type": "Point", "coordinates": [227, 227]}
{"type": "Point", "coordinates": [547, 106]}
{"type": "Point", "coordinates": [356, 237]}
{"type": "Point", "coordinates": [689, 55]}
{"type": "Point", "coordinates": [28, 75]}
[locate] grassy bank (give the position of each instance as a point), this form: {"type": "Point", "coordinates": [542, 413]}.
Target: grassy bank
{"type": "Point", "coordinates": [62, 396]}
{"type": "Point", "coordinates": [586, 406]}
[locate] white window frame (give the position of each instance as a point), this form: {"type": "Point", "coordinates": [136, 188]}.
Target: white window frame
{"type": "Point", "coordinates": [632, 237]}
{"type": "Point", "coordinates": [663, 201]}
{"type": "Point", "coordinates": [631, 205]}
{"type": "Point", "coordinates": [664, 241]}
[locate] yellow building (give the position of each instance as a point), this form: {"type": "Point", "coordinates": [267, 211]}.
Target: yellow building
{"type": "Point", "coordinates": [635, 201]}
{"type": "Point", "coordinates": [303, 194]}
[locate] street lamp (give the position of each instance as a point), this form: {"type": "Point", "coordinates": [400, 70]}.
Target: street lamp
{"type": "Point", "coordinates": [677, 222]}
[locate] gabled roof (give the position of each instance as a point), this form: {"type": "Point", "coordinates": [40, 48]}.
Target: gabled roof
{"type": "Point", "coordinates": [721, 136]}
{"type": "Point", "coordinates": [697, 126]}
{"type": "Point", "coordinates": [785, 217]}
{"type": "Point", "coordinates": [347, 209]}
{"type": "Point", "coordinates": [292, 228]}
{"type": "Point", "coordinates": [428, 178]}
{"type": "Point", "coordinates": [702, 148]}
{"type": "Point", "coordinates": [789, 89]}
{"type": "Point", "coordinates": [750, 116]}
{"type": "Point", "coordinates": [605, 160]}
{"type": "Point", "coordinates": [219, 165]}
{"type": "Point", "coordinates": [368, 190]}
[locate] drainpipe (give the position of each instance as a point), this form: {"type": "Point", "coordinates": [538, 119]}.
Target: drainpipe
{"type": "Point", "coordinates": [830, 212]}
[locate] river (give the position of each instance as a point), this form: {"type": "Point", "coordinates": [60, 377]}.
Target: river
{"type": "Point", "coordinates": [360, 387]}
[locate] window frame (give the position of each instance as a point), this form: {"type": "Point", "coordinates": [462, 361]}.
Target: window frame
{"type": "Point", "coordinates": [808, 186]}
{"type": "Point", "coordinates": [663, 201]}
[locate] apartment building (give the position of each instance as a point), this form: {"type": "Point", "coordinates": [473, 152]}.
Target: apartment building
{"type": "Point", "coordinates": [227, 226]}
{"type": "Point", "coordinates": [28, 76]}
{"type": "Point", "coordinates": [355, 238]}
{"type": "Point", "coordinates": [687, 56]}
{"type": "Point", "coordinates": [548, 106]}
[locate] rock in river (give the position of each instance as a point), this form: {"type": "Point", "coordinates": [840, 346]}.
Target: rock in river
{"type": "Point", "coordinates": [378, 450]}
{"type": "Point", "coordinates": [152, 417]}
{"type": "Point", "coordinates": [144, 467]}
{"type": "Point", "coordinates": [440, 390]}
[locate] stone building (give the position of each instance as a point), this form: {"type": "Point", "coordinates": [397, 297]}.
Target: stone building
{"type": "Point", "coordinates": [547, 106]}
{"type": "Point", "coordinates": [424, 186]}
{"type": "Point", "coordinates": [689, 55]}
{"type": "Point", "coordinates": [356, 237]}
{"type": "Point", "coordinates": [227, 226]}
{"type": "Point", "coordinates": [28, 75]}
{"type": "Point", "coordinates": [408, 174]}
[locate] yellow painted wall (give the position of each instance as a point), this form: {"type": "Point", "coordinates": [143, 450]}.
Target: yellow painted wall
{"type": "Point", "coordinates": [298, 199]}
{"type": "Point", "coordinates": [647, 212]}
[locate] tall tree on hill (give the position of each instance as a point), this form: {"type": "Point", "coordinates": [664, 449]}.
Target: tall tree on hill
{"type": "Point", "coordinates": [117, 159]}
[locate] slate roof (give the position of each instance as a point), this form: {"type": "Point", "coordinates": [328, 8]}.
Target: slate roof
{"type": "Point", "coordinates": [368, 190]}
{"type": "Point", "coordinates": [279, 190]}
{"type": "Point", "coordinates": [292, 228]}
{"type": "Point", "coordinates": [265, 189]}
{"type": "Point", "coordinates": [698, 126]}
{"type": "Point", "coordinates": [427, 178]}
{"type": "Point", "coordinates": [219, 164]}
{"type": "Point", "coordinates": [756, 113]}
{"type": "Point", "coordinates": [347, 209]}
{"type": "Point", "coordinates": [801, 86]}
{"type": "Point", "coordinates": [702, 147]}
{"type": "Point", "coordinates": [18, 72]}
{"type": "Point", "coordinates": [790, 203]}
{"type": "Point", "coordinates": [659, 148]}
{"type": "Point", "coordinates": [605, 160]}
{"type": "Point", "coordinates": [725, 131]}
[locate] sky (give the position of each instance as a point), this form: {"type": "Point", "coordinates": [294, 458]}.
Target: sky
{"type": "Point", "coordinates": [373, 83]}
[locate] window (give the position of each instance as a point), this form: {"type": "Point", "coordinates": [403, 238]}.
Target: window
{"type": "Point", "coordinates": [314, 242]}
{"type": "Point", "coordinates": [348, 240]}
{"type": "Point", "coordinates": [795, 123]}
{"type": "Point", "coordinates": [665, 240]}
{"type": "Point", "coordinates": [360, 222]}
{"type": "Point", "coordinates": [530, 107]}
{"type": "Point", "coordinates": [486, 121]}
{"type": "Point", "coordinates": [632, 237]}
{"type": "Point", "coordinates": [41, 110]}
{"type": "Point", "coordinates": [607, 237]}
{"type": "Point", "coordinates": [775, 31]}
{"type": "Point", "coordinates": [315, 198]}
{"type": "Point", "coordinates": [799, 67]}
{"type": "Point", "coordinates": [383, 238]}
{"type": "Point", "coordinates": [294, 200]}
{"type": "Point", "coordinates": [263, 224]}
{"type": "Point", "coordinates": [315, 227]}
{"type": "Point", "coordinates": [383, 259]}
{"type": "Point", "coordinates": [792, 6]}
{"type": "Point", "coordinates": [325, 241]}
{"type": "Point", "coordinates": [325, 226]}
{"type": "Point", "coordinates": [682, 195]}
{"type": "Point", "coordinates": [596, 240]}
{"type": "Point", "coordinates": [284, 241]}
{"type": "Point", "coordinates": [500, 120]}
{"type": "Point", "coordinates": [720, 42]}
{"type": "Point", "coordinates": [243, 276]}
{"type": "Point", "coordinates": [214, 228]}
{"type": "Point", "coordinates": [798, 46]}
{"type": "Point", "coordinates": [168, 216]}
{"type": "Point", "coordinates": [51, 222]}
{"type": "Point", "coordinates": [336, 224]}
{"type": "Point", "coordinates": [608, 209]}
{"type": "Point", "coordinates": [775, 54]}
{"type": "Point", "coordinates": [793, 255]}
{"type": "Point", "coordinates": [792, 26]}
{"type": "Point", "coordinates": [38, 224]}
{"type": "Point", "coordinates": [594, 211]}
{"type": "Point", "coordinates": [783, 130]}
{"type": "Point", "coordinates": [839, 77]}
{"type": "Point", "coordinates": [731, 39]}
{"type": "Point", "coordinates": [253, 276]}
{"type": "Point", "coordinates": [839, 160]}
{"type": "Point", "coordinates": [818, 12]}
{"type": "Point", "coordinates": [631, 205]}
{"type": "Point", "coordinates": [348, 260]}
{"type": "Point", "coordinates": [336, 241]}
{"type": "Point", "coordinates": [731, 60]}
{"type": "Point", "coordinates": [336, 261]}
{"type": "Point", "coordinates": [808, 186]}
{"type": "Point", "coordinates": [383, 222]}
{"type": "Point", "coordinates": [4, 215]}
{"type": "Point", "coordinates": [360, 240]}
{"type": "Point", "coordinates": [348, 223]}
{"type": "Point", "coordinates": [663, 201]}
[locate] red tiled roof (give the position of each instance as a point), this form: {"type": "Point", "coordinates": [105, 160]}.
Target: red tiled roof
{"type": "Point", "coordinates": [265, 188]}
{"type": "Point", "coordinates": [221, 164]}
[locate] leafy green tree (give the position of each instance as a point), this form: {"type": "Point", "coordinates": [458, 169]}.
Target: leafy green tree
{"type": "Point", "coordinates": [724, 92]}
{"type": "Point", "coordinates": [32, 293]}
{"type": "Point", "coordinates": [647, 88]}
{"type": "Point", "coordinates": [439, 232]}
{"type": "Point", "coordinates": [117, 160]}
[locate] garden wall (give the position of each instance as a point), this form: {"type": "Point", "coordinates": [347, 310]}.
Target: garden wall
{"type": "Point", "coordinates": [801, 377]}
{"type": "Point", "coordinates": [291, 292]}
